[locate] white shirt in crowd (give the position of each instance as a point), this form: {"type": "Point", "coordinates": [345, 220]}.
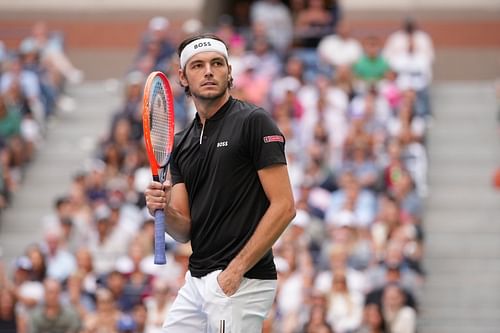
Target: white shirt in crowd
{"type": "Point", "coordinates": [398, 42]}
{"type": "Point", "coordinates": [414, 70]}
{"type": "Point", "coordinates": [337, 51]}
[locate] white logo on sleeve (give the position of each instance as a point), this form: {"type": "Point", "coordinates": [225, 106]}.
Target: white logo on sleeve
{"type": "Point", "coordinates": [222, 144]}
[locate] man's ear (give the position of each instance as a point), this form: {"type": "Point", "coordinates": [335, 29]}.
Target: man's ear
{"type": "Point", "coordinates": [182, 78]}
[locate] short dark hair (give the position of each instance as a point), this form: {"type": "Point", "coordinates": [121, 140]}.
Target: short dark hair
{"type": "Point", "coordinates": [192, 38]}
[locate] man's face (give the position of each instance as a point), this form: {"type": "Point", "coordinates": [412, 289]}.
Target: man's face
{"type": "Point", "coordinates": [207, 74]}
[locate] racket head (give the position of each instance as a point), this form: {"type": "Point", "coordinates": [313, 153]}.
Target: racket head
{"type": "Point", "coordinates": [158, 122]}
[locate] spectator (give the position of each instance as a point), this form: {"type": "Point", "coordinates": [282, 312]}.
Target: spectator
{"type": "Point", "coordinates": [10, 121]}
{"type": "Point", "coordinates": [399, 318]}
{"type": "Point", "coordinates": [157, 36]}
{"type": "Point", "coordinates": [414, 73]}
{"type": "Point", "coordinates": [38, 262]}
{"type": "Point", "coordinates": [107, 243]}
{"type": "Point", "coordinates": [392, 276]}
{"type": "Point", "coordinates": [74, 232]}
{"type": "Point", "coordinates": [10, 322]}
{"type": "Point", "coordinates": [371, 67]}
{"type": "Point", "coordinates": [290, 287]}
{"type": "Point", "coordinates": [139, 315]}
{"type": "Point", "coordinates": [373, 320]}
{"type": "Point", "coordinates": [408, 199]}
{"type": "Point", "coordinates": [27, 292]}
{"type": "Point", "coordinates": [398, 42]}
{"type": "Point", "coordinates": [138, 283]}
{"type": "Point", "coordinates": [250, 85]}
{"type": "Point", "coordinates": [390, 90]}
{"type": "Point", "coordinates": [344, 80]}
{"type": "Point", "coordinates": [269, 64]}
{"type": "Point", "coordinates": [60, 262]}
{"type": "Point", "coordinates": [76, 295]}
{"type": "Point", "coordinates": [226, 30]}
{"type": "Point", "coordinates": [158, 305]}
{"type": "Point", "coordinates": [313, 23]}
{"type": "Point", "coordinates": [276, 20]}
{"type": "Point", "coordinates": [130, 107]}
{"type": "Point", "coordinates": [23, 87]}
{"type": "Point", "coordinates": [373, 108]}
{"type": "Point", "coordinates": [30, 56]}
{"type": "Point", "coordinates": [358, 161]}
{"type": "Point", "coordinates": [291, 81]}
{"type": "Point", "coordinates": [345, 307]}
{"type": "Point", "coordinates": [52, 50]}
{"type": "Point", "coordinates": [352, 197]}
{"type": "Point", "coordinates": [338, 257]}
{"type": "Point", "coordinates": [85, 270]}
{"type": "Point", "coordinates": [405, 117]}
{"type": "Point", "coordinates": [317, 321]}
{"type": "Point", "coordinates": [237, 49]}
{"type": "Point", "coordinates": [106, 317]}
{"type": "Point", "coordinates": [395, 258]}
{"type": "Point", "coordinates": [340, 49]}
{"type": "Point", "coordinates": [116, 283]}
{"type": "Point", "coordinates": [53, 316]}
{"type": "Point", "coordinates": [388, 219]}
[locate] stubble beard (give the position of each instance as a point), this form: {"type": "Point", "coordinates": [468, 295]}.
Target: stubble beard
{"type": "Point", "coordinates": [211, 96]}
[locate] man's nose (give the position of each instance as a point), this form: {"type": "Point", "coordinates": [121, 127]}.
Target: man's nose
{"type": "Point", "coordinates": [208, 70]}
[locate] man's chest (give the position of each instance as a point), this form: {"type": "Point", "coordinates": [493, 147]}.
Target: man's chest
{"type": "Point", "coordinates": [212, 152]}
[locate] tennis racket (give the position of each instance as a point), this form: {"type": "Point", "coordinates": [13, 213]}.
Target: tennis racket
{"type": "Point", "coordinates": [158, 125]}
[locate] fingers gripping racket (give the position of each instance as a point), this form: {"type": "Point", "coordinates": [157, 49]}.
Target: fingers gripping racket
{"type": "Point", "coordinates": [158, 125]}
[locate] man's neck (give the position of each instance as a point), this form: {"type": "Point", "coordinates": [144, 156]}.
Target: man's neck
{"type": "Point", "coordinates": [207, 108]}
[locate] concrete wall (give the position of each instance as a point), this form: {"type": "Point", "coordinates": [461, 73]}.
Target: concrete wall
{"type": "Point", "coordinates": [100, 5]}
{"type": "Point", "coordinates": [409, 5]}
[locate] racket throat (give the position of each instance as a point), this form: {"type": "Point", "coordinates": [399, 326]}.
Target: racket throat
{"type": "Point", "coordinates": [162, 175]}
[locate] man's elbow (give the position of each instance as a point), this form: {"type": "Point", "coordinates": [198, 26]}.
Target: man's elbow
{"type": "Point", "coordinates": [289, 211]}
{"type": "Point", "coordinates": [180, 237]}
{"type": "Point", "coordinates": [182, 240]}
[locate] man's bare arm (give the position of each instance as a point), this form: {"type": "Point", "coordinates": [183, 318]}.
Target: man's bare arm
{"type": "Point", "coordinates": [281, 211]}
{"type": "Point", "coordinates": [175, 202]}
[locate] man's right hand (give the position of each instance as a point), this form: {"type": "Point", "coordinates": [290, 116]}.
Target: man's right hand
{"type": "Point", "coordinates": [157, 196]}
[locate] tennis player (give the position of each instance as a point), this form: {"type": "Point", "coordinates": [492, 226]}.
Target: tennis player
{"type": "Point", "coordinates": [229, 194]}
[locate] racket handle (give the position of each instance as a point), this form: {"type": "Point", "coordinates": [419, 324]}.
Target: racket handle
{"type": "Point", "coordinates": [160, 258]}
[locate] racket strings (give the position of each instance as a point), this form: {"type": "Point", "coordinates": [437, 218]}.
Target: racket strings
{"type": "Point", "coordinates": [159, 123]}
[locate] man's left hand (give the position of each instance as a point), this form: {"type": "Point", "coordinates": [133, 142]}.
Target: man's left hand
{"type": "Point", "coordinates": [229, 281]}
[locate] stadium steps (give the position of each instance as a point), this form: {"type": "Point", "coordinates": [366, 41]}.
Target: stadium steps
{"type": "Point", "coordinates": [70, 141]}
{"type": "Point", "coordinates": [462, 222]}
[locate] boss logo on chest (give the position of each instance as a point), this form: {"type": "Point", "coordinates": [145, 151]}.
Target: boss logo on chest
{"type": "Point", "coordinates": [222, 144]}
{"type": "Point", "coordinates": [202, 44]}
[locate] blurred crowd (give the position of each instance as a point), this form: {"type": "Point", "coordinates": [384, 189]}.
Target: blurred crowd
{"type": "Point", "coordinates": [33, 77]}
{"type": "Point", "coordinates": [354, 108]}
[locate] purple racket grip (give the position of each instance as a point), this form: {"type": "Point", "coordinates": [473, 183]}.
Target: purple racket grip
{"type": "Point", "coordinates": [160, 258]}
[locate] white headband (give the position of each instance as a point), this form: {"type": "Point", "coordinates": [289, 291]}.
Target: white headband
{"type": "Point", "coordinates": [202, 45]}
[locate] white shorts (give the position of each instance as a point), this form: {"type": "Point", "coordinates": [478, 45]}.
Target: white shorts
{"type": "Point", "coordinates": [202, 307]}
